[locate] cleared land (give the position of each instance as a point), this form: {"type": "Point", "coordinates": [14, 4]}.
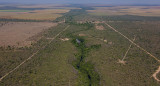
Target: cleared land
{"type": "Point", "coordinates": [47, 14]}
{"type": "Point", "coordinates": [18, 33]}
{"type": "Point", "coordinates": [126, 10]}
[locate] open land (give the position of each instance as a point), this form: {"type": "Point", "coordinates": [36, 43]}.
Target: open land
{"type": "Point", "coordinates": [18, 33]}
{"type": "Point", "coordinates": [33, 12]}
{"type": "Point", "coordinates": [47, 14]}
{"type": "Point", "coordinates": [126, 10]}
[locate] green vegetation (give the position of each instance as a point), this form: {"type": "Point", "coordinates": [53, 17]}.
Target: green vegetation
{"type": "Point", "coordinates": [87, 74]}
{"type": "Point", "coordinates": [11, 58]}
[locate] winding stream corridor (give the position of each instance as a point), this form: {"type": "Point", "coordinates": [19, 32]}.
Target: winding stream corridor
{"type": "Point", "coordinates": [87, 75]}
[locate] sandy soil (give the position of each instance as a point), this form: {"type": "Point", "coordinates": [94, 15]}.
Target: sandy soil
{"type": "Point", "coordinates": [17, 33]}
{"type": "Point", "coordinates": [121, 62]}
{"type": "Point", "coordinates": [64, 39]}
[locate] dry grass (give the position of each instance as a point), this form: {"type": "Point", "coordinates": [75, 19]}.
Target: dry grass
{"type": "Point", "coordinates": [47, 14]}
{"type": "Point", "coordinates": [18, 33]}
{"type": "Point", "coordinates": [51, 6]}
{"type": "Point", "coordinates": [40, 6]}
{"type": "Point", "coordinates": [126, 10]}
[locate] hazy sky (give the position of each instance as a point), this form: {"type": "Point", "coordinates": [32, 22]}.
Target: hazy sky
{"type": "Point", "coordinates": [84, 1]}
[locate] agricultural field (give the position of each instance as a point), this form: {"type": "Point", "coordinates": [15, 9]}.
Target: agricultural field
{"type": "Point", "coordinates": [32, 15]}
{"type": "Point", "coordinates": [126, 10]}
{"type": "Point", "coordinates": [33, 12]}
{"type": "Point", "coordinates": [83, 48]}
{"type": "Point", "coordinates": [19, 34]}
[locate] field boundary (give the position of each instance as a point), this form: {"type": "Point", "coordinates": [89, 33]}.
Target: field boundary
{"type": "Point", "coordinates": [33, 54]}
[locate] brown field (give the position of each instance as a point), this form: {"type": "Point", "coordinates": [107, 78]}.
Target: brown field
{"type": "Point", "coordinates": [51, 6]}
{"type": "Point", "coordinates": [18, 33]}
{"type": "Point", "coordinates": [126, 10]}
{"type": "Point", "coordinates": [47, 14]}
{"type": "Point", "coordinates": [41, 6]}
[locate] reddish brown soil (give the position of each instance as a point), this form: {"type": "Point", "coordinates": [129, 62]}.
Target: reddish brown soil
{"type": "Point", "coordinates": [17, 33]}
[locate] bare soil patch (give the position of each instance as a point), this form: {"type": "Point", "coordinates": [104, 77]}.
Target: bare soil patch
{"type": "Point", "coordinates": [64, 39]}
{"type": "Point", "coordinates": [99, 27]}
{"type": "Point", "coordinates": [121, 62]}
{"type": "Point", "coordinates": [82, 34]}
{"type": "Point", "coordinates": [18, 33]}
{"type": "Point", "coordinates": [105, 40]}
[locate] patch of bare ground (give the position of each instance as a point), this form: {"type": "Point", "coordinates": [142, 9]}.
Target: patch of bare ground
{"type": "Point", "coordinates": [121, 62]}
{"type": "Point", "coordinates": [99, 27]}
{"type": "Point", "coordinates": [105, 40]}
{"type": "Point", "coordinates": [155, 74]}
{"type": "Point", "coordinates": [18, 33]}
{"type": "Point", "coordinates": [82, 34]}
{"type": "Point", "coordinates": [64, 39]}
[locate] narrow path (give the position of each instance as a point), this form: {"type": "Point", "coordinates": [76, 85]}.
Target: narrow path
{"type": "Point", "coordinates": [32, 55]}
{"type": "Point", "coordinates": [128, 49]}
{"type": "Point", "coordinates": [155, 74]}
{"type": "Point", "coordinates": [133, 43]}
{"type": "Point", "coordinates": [122, 61]}
{"type": "Point", "coordinates": [158, 70]}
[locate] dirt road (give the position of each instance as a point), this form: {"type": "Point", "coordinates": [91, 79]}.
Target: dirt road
{"type": "Point", "coordinates": [122, 61]}
{"type": "Point", "coordinates": [32, 55]}
{"type": "Point", "coordinates": [158, 70]}
{"type": "Point", "coordinates": [133, 42]}
{"type": "Point", "coordinates": [155, 74]}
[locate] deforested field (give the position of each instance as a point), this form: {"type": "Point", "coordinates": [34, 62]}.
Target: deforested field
{"type": "Point", "coordinates": [19, 33]}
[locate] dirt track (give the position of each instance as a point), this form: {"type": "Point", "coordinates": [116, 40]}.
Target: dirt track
{"type": "Point", "coordinates": [158, 70]}
{"type": "Point", "coordinates": [133, 43]}
{"type": "Point", "coordinates": [32, 55]}
{"type": "Point", "coordinates": [155, 74]}
{"type": "Point", "coordinates": [128, 49]}
{"type": "Point", "coordinates": [122, 61]}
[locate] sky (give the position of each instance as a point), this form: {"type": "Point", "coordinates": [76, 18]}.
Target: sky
{"type": "Point", "coordinates": [148, 2]}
